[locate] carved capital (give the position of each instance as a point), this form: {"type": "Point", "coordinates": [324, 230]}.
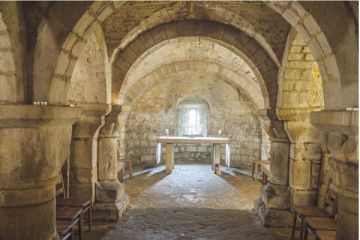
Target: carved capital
{"type": "Point", "coordinates": [293, 114]}
{"type": "Point", "coordinates": [34, 144]}
{"type": "Point", "coordinates": [112, 123]}
{"type": "Point", "coordinates": [92, 118]}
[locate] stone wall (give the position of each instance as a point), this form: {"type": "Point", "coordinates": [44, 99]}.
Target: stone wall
{"type": "Point", "coordinates": [10, 87]}
{"type": "Point", "coordinates": [302, 81]}
{"type": "Point", "coordinates": [88, 82]}
{"type": "Point", "coordinates": [157, 110]}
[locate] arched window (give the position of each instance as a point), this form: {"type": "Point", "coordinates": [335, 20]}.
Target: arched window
{"type": "Point", "coordinates": [194, 122]}
{"type": "Point", "coordinates": [193, 117]}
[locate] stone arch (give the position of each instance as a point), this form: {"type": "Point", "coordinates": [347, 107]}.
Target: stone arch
{"type": "Point", "coordinates": [204, 112]}
{"type": "Point", "coordinates": [215, 13]}
{"type": "Point", "coordinates": [300, 93]}
{"type": "Point", "coordinates": [313, 36]}
{"type": "Point", "coordinates": [247, 87]}
{"type": "Point", "coordinates": [201, 98]}
{"type": "Point", "coordinates": [11, 78]}
{"type": "Point", "coordinates": [91, 80]}
{"type": "Point", "coordinates": [197, 49]}
{"type": "Point", "coordinates": [60, 40]}
{"type": "Point", "coordinates": [244, 86]}
{"type": "Point", "coordinates": [183, 79]}
{"type": "Point", "coordinates": [259, 60]}
{"type": "Point", "coordinates": [292, 12]}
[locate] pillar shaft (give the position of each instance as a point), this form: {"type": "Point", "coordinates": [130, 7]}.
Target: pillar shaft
{"type": "Point", "coordinates": [111, 200]}
{"type": "Point", "coordinates": [34, 144]}
{"type": "Point", "coordinates": [169, 157]}
{"type": "Point", "coordinates": [84, 150]}
{"type": "Point", "coordinates": [216, 160]}
{"type": "Point", "coordinates": [273, 204]}
{"type": "Point", "coordinates": [108, 146]}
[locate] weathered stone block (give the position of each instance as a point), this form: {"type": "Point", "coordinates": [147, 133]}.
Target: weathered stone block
{"type": "Point", "coordinates": [300, 176]}
{"type": "Point", "coordinates": [273, 217]}
{"type": "Point", "coordinates": [279, 155]}
{"type": "Point", "coordinates": [347, 218]}
{"type": "Point", "coordinates": [107, 158]}
{"type": "Point", "coordinates": [304, 198]}
{"type": "Point", "coordinates": [296, 56]}
{"type": "Point", "coordinates": [275, 196]}
{"type": "Point", "coordinates": [110, 212]}
{"type": "Point", "coordinates": [293, 74]}
{"type": "Point", "coordinates": [109, 192]}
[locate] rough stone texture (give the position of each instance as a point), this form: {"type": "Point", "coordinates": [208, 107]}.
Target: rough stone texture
{"type": "Point", "coordinates": [157, 110]}
{"type": "Point", "coordinates": [265, 67]}
{"type": "Point", "coordinates": [188, 48]}
{"type": "Point", "coordinates": [88, 82]}
{"type": "Point", "coordinates": [13, 84]}
{"type": "Point", "coordinates": [340, 42]}
{"type": "Point", "coordinates": [40, 44]}
{"type": "Point", "coordinates": [84, 150]}
{"type": "Point", "coordinates": [111, 212]}
{"type": "Point", "coordinates": [301, 93]}
{"type": "Point", "coordinates": [246, 17]}
{"type": "Point", "coordinates": [37, 144]}
{"type": "Point", "coordinates": [342, 165]}
{"type": "Point", "coordinates": [302, 81]}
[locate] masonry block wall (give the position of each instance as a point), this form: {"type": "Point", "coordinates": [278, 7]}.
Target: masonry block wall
{"type": "Point", "coordinates": [88, 82]}
{"type": "Point", "coordinates": [301, 94]}
{"type": "Point", "coordinates": [157, 110]}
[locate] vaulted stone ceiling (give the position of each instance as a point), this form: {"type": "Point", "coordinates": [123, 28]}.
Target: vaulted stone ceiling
{"type": "Point", "coordinates": [194, 50]}
{"type": "Point", "coordinates": [258, 20]}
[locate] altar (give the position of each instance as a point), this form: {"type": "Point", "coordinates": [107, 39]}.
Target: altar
{"type": "Point", "coordinates": [171, 140]}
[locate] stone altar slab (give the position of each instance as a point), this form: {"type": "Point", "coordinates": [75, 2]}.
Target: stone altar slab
{"type": "Point", "coordinates": [171, 140]}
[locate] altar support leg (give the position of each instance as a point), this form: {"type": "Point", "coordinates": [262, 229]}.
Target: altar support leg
{"type": "Point", "coordinates": [169, 157]}
{"type": "Point", "coordinates": [216, 160]}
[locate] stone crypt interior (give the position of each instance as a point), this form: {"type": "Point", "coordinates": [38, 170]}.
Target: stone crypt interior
{"type": "Point", "coordinates": [87, 89]}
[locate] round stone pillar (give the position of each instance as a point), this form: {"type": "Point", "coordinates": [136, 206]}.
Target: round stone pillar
{"type": "Point", "coordinates": [34, 144]}
{"type": "Point", "coordinates": [274, 203]}
{"type": "Point", "coordinates": [111, 200]}
{"type": "Point", "coordinates": [305, 155]}
{"type": "Point", "coordinates": [342, 129]}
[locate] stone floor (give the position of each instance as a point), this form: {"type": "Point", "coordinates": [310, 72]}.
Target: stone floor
{"type": "Point", "coordinates": [190, 203]}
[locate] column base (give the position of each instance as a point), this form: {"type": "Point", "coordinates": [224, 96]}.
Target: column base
{"type": "Point", "coordinates": [276, 196]}
{"type": "Point", "coordinates": [273, 206]}
{"type": "Point", "coordinates": [109, 192]}
{"type": "Point", "coordinates": [273, 217]}
{"type": "Point", "coordinates": [110, 212]}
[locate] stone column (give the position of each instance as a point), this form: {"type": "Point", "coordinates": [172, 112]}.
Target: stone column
{"type": "Point", "coordinates": [342, 129]}
{"type": "Point", "coordinates": [34, 144]}
{"type": "Point", "coordinates": [84, 150]}
{"type": "Point", "coordinates": [305, 155]}
{"type": "Point", "coordinates": [274, 203]}
{"type": "Point", "coordinates": [169, 157]}
{"type": "Point", "coordinates": [216, 160]}
{"type": "Point", "coordinates": [111, 199]}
